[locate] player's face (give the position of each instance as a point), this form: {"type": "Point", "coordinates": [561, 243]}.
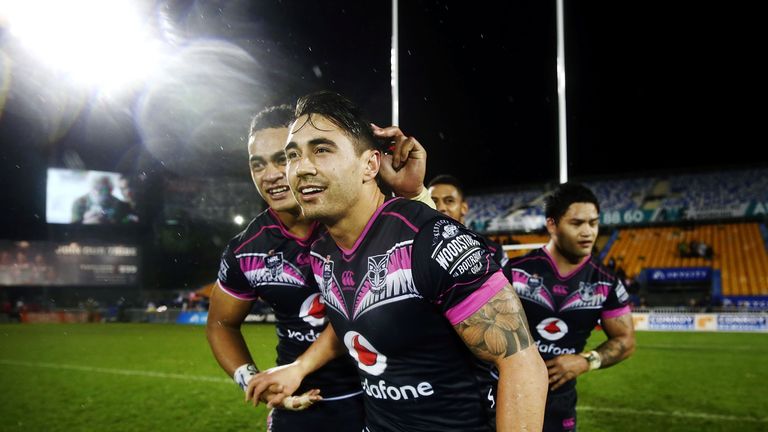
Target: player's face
{"type": "Point", "coordinates": [267, 162]}
{"type": "Point", "coordinates": [325, 172]}
{"type": "Point", "coordinates": [448, 201]}
{"type": "Point", "coordinates": [576, 232]}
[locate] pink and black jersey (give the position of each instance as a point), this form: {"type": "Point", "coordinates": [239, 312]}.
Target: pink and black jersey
{"type": "Point", "coordinates": [562, 310]}
{"type": "Point", "coordinates": [393, 300]}
{"type": "Point", "coordinates": [266, 261]}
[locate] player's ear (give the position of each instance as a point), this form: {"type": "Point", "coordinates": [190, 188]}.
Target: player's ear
{"type": "Point", "coordinates": [551, 226]}
{"type": "Point", "coordinates": [372, 164]}
{"type": "Point", "coordinates": [464, 209]}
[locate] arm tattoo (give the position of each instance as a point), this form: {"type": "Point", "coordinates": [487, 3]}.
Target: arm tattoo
{"type": "Point", "coordinates": [611, 352]}
{"type": "Point", "coordinates": [498, 329]}
{"type": "Point", "coordinates": [614, 350]}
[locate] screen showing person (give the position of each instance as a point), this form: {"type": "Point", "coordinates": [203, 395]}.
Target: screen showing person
{"type": "Point", "coordinates": [90, 197]}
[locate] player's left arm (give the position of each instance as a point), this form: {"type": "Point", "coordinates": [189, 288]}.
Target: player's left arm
{"type": "Point", "coordinates": [498, 332]}
{"type": "Point", "coordinates": [621, 340]}
{"type": "Point", "coordinates": [619, 346]}
{"type": "Point", "coordinates": [404, 167]}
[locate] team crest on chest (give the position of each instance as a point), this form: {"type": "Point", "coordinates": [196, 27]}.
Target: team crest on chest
{"type": "Point", "coordinates": [587, 291]}
{"type": "Point", "coordinates": [588, 296]}
{"type": "Point", "coordinates": [387, 280]}
{"type": "Point", "coordinates": [274, 264]}
{"type": "Point", "coordinates": [377, 272]}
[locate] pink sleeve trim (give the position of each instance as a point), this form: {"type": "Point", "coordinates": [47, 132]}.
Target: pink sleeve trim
{"type": "Point", "coordinates": [613, 313]}
{"type": "Point", "coordinates": [477, 299]}
{"type": "Point", "coordinates": [244, 297]}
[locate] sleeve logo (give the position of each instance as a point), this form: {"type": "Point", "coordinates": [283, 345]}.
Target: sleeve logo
{"type": "Point", "coordinates": [621, 292]}
{"type": "Point", "coordinates": [460, 254]}
{"type": "Point", "coordinates": [223, 269]}
{"type": "Point", "coordinates": [450, 231]}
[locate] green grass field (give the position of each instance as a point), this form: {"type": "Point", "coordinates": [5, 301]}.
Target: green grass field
{"type": "Point", "coordinates": [143, 377]}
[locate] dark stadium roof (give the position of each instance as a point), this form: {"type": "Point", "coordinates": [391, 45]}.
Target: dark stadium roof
{"type": "Point", "coordinates": [650, 86]}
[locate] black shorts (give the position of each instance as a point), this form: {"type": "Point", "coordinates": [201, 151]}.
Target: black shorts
{"type": "Point", "coordinates": [343, 415]}
{"type": "Point", "coordinates": [560, 413]}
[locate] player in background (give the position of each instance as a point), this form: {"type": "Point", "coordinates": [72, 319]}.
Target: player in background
{"type": "Point", "coordinates": [566, 291]}
{"type": "Point", "coordinates": [412, 295]}
{"type": "Point", "coordinates": [448, 194]}
{"type": "Point", "coordinates": [270, 260]}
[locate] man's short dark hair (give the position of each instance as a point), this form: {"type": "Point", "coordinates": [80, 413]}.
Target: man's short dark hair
{"type": "Point", "coordinates": [557, 203]}
{"type": "Point", "coordinates": [449, 180]}
{"type": "Point", "coordinates": [278, 116]}
{"type": "Point", "coordinates": [341, 112]}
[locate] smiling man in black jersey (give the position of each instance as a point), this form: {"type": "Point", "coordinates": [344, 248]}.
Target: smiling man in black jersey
{"type": "Point", "coordinates": [269, 260]}
{"type": "Point", "coordinates": [413, 297]}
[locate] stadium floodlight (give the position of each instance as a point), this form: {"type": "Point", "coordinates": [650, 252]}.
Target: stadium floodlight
{"type": "Point", "coordinates": [104, 44]}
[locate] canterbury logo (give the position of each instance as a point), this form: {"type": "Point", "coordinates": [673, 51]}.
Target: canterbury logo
{"type": "Point", "coordinates": [348, 278]}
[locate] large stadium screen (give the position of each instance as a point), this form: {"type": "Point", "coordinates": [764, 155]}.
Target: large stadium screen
{"type": "Point", "coordinates": [41, 263]}
{"type": "Point", "coordinates": [90, 197]}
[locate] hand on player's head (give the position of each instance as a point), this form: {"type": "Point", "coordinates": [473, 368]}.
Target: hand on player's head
{"type": "Point", "coordinates": [403, 167]}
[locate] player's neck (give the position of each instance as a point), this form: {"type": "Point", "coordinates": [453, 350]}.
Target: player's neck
{"type": "Point", "coordinates": [565, 262]}
{"type": "Point", "coordinates": [349, 228]}
{"type": "Point", "coordinates": [294, 222]}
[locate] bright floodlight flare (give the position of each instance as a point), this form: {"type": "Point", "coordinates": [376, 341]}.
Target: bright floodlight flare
{"type": "Point", "coordinates": [102, 44]}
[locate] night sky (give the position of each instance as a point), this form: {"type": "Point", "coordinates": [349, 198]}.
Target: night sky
{"type": "Point", "coordinates": [651, 86]}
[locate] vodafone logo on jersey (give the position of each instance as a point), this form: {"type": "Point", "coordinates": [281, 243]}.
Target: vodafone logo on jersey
{"type": "Point", "coordinates": [368, 358]}
{"type": "Point", "coordinates": [313, 310]}
{"type": "Point", "coordinates": [552, 329]}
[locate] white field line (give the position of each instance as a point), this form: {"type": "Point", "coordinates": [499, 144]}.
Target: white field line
{"type": "Point", "coordinates": [151, 374]}
{"type": "Point", "coordinates": [677, 413]}
{"type": "Point", "coordinates": [113, 371]}
{"type": "Point", "coordinates": [701, 347]}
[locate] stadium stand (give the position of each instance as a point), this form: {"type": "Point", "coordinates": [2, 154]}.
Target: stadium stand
{"type": "Point", "coordinates": [718, 194]}
{"type": "Point", "coordinates": [739, 253]}
{"type": "Point", "coordinates": [486, 210]}
{"type": "Point", "coordinates": [621, 195]}
{"type": "Point", "coordinates": [705, 196]}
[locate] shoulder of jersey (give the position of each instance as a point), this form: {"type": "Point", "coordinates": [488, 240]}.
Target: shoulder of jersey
{"type": "Point", "coordinates": [416, 212]}
{"type": "Point", "coordinates": [253, 227]}
{"type": "Point", "coordinates": [534, 253]}
{"type": "Point", "coordinates": [603, 268]}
